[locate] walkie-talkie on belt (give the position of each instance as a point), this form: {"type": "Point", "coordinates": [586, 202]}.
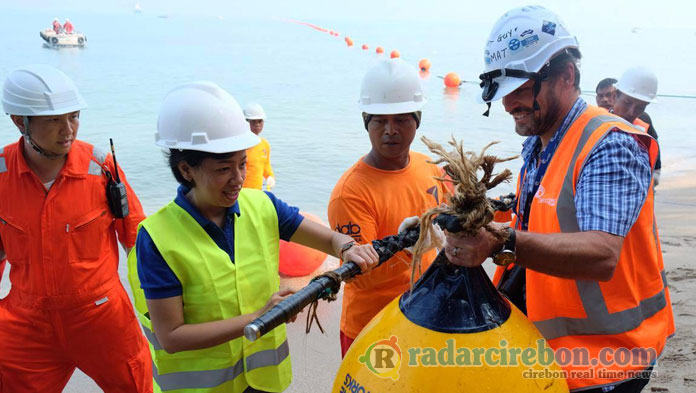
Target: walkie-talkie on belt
{"type": "Point", "coordinates": [115, 190]}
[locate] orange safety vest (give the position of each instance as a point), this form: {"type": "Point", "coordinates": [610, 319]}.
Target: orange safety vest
{"type": "Point", "coordinates": [602, 320]}
{"type": "Point", "coordinates": [640, 123]}
{"type": "Point", "coordinates": [62, 243]}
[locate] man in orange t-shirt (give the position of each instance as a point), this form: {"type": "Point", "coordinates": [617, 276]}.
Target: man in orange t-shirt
{"type": "Point", "coordinates": [385, 186]}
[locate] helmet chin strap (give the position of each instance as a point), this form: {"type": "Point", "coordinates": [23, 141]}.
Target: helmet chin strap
{"type": "Point", "coordinates": [35, 146]}
{"type": "Point", "coordinates": [490, 87]}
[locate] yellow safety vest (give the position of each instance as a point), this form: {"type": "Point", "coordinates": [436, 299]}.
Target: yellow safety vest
{"type": "Point", "coordinates": [214, 289]}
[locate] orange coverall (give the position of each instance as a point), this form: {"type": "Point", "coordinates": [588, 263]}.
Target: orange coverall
{"type": "Point", "coordinates": [66, 307]}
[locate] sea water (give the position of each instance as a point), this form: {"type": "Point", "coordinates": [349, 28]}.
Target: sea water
{"type": "Point", "coordinates": [308, 83]}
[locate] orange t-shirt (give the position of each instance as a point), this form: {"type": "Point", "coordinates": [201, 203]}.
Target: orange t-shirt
{"type": "Point", "coordinates": [369, 203]}
{"type": "Point", "coordinates": [258, 165]}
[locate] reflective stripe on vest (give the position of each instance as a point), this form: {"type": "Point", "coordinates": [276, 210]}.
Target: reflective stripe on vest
{"type": "Point", "coordinates": [95, 167]}
{"type": "Point", "coordinates": [565, 209]}
{"type": "Point", "coordinates": [644, 126]}
{"type": "Point", "coordinates": [599, 320]}
{"type": "Point", "coordinates": [151, 338]}
{"type": "Point", "coordinates": [213, 378]}
{"type": "Point", "coordinates": [632, 310]}
{"type": "Point", "coordinates": [210, 279]}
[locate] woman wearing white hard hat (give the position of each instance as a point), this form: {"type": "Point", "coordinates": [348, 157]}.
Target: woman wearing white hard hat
{"type": "Point", "coordinates": [206, 264]}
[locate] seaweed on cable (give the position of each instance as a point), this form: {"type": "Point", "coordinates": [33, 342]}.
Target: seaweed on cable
{"type": "Point", "coordinates": [469, 202]}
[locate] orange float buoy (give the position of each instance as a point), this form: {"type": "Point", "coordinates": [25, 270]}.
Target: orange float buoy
{"type": "Point", "coordinates": [395, 53]}
{"type": "Point", "coordinates": [297, 260]}
{"type": "Point", "coordinates": [424, 65]}
{"type": "Point", "coordinates": [365, 47]}
{"type": "Point", "coordinates": [379, 50]}
{"type": "Point", "coordinates": [349, 41]}
{"type": "Point", "coordinates": [452, 80]}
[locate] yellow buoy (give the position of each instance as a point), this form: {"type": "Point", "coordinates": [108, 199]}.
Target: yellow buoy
{"type": "Point", "coordinates": [453, 333]}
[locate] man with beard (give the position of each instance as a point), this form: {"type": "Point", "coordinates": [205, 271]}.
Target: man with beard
{"type": "Point", "coordinates": [584, 229]}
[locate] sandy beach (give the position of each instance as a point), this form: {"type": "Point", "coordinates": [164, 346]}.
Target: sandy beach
{"type": "Point", "coordinates": [674, 201]}
{"type": "Point", "coordinates": [316, 357]}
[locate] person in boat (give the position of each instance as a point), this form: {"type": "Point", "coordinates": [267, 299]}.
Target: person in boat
{"type": "Point", "coordinates": [206, 264]}
{"type": "Point", "coordinates": [56, 26]}
{"type": "Point", "coordinates": [585, 227]}
{"type": "Point", "coordinates": [68, 26]}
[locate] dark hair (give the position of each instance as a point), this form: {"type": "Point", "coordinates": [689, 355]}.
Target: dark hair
{"type": "Point", "coordinates": [193, 158]}
{"type": "Point", "coordinates": [604, 83]}
{"type": "Point", "coordinates": [557, 64]}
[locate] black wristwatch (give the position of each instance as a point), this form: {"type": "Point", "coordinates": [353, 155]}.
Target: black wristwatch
{"type": "Point", "coordinates": [506, 255]}
{"type": "Point", "coordinates": [347, 246]}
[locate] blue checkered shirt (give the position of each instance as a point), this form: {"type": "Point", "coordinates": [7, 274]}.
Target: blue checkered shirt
{"type": "Point", "coordinates": [613, 183]}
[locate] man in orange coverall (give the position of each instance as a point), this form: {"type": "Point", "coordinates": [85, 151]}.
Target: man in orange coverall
{"type": "Point", "coordinates": [67, 307]}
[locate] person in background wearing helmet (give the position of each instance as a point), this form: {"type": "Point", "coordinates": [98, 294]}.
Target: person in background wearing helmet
{"type": "Point", "coordinates": [67, 307]}
{"type": "Point", "coordinates": [606, 93]}
{"type": "Point", "coordinates": [389, 183]}
{"type": "Point", "coordinates": [56, 26]}
{"type": "Point", "coordinates": [206, 264]}
{"type": "Point", "coordinates": [595, 279]}
{"type": "Point", "coordinates": [259, 156]}
{"type": "Point", "coordinates": [636, 89]}
{"type": "Point", "coordinates": [68, 26]}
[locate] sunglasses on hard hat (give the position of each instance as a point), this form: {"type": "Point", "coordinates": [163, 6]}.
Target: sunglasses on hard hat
{"type": "Point", "coordinates": [490, 86]}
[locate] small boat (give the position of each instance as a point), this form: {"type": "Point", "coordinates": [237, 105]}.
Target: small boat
{"type": "Point", "coordinates": [137, 9]}
{"type": "Point", "coordinates": [58, 40]}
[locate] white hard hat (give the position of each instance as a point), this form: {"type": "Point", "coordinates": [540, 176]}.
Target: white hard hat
{"type": "Point", "coordinates": [639, 83]}
{"type": "Point", "coordinates": [67, 20]}
{"type": "Point", "coordinates": [521, 43]}
{"type": "Point", "coordinates": [201, 116]}
{"type": "Point", "coordinates": [40, 90]}
{"type": "Point", "coordinates": [391, 87]}
{"type": "Point", "coordinates": [254, 111]}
